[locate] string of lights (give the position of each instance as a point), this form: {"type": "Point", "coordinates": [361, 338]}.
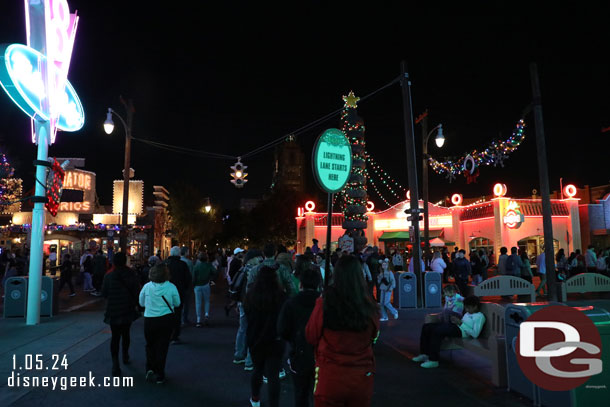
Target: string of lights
{"type": "Point", "coordinates": [379, 193]}
{"type": "Point", "coordinates": [495, 153]}
{"type": "Point", "coordinates": [386, 179]}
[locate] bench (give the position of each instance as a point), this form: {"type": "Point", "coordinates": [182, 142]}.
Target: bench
{"type": "Point", "coordinates": [504, 285]}
{"type": "Point", "coordinates": [490, 344]}
{"type": "Point", "coordinates": [584, 283]}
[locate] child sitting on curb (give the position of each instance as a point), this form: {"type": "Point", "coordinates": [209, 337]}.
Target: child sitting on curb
{"type": "Point", "coordinates": [469, 326]}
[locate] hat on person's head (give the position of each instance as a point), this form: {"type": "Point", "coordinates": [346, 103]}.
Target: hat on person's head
{"type": "Point", "coordinates": [238, 250]}
{"type": "Point", "coordinates": [252, 253]}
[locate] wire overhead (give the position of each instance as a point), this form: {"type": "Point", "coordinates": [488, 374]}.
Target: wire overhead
{"type": "Point", "coordinates": [269, 145]}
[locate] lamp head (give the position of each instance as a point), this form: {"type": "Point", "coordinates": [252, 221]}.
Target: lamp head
{"type": "Point", "coordinates": [108, 124]}
{"type": "Point", "coordinates": [208, 208]}
{"type": "Point", "coordinates": [440, 139]}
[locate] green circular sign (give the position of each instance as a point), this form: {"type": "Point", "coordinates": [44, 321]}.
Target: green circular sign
{"type": "Point", "coordinates": [332, 160]}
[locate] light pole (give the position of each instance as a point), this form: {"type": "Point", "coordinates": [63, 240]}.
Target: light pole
{"type": "Point", "coordinates": [440, 140]}
{"type": "Point", "coordinates": [108, 128]}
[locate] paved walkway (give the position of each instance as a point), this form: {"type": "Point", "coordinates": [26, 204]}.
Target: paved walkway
{"type": "Point", "coordinates": [201, 373]}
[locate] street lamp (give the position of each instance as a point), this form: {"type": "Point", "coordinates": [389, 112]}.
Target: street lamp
{"type": "Point", "coordinates": [108, 128]}
{"type": "Point", "coordinates": [208, 206]}
{"type": "Point", "coordinates": [439, 140]}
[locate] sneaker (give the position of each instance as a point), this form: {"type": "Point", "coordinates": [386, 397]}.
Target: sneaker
{"type": "Point", "coordinates": [255, 403]}
{"type": "Point", "coordinates": [248, 368]}
{"type": "Point", "coordinates": [150, 376]}
{"type": "Point", "coordinates": [429, 364]}
{"type": "Point", "coordinates": [239, 361]}
{"type": "Point", "coordinates": [383, 319]}
{"type": "Point", "coordinates": [265, 379]}
{"type": "Point", "coordinates": [396, 316]}
{"type": "Point", "coordinates": [160, 380]}
{"type": "Point", "coordinates": [282, 374]}
{"type": "Point", "coordinates": [420, 358]}
{"type": "Point", "coordinates": [175, 342]}
{"type": "Point", "coordinates": [206, 321]}
{"type": "Point", "coordinates": [198, 325]}
{"type": "Point", "coordinates": [73, 295]}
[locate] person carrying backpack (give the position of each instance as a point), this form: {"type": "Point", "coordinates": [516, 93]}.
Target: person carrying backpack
{"type": "Point", "coordinates": [238, 291]}
{"type": "Point", "coordinates": [513, 263]}
{"type": "Point", "coordinates": [291, 327]}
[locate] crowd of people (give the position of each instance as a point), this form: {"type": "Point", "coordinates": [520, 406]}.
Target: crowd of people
{"type": "Point", "coordinates": [325, 342]}
{"type": "Point", "coordinates": [295, 317]}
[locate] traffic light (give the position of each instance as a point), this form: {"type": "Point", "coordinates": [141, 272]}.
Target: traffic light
{"type": "Point", "coordinates": [239, 175]}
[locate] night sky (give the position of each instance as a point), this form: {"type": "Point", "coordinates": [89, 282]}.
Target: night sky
{"type": "Point", "coordinates": [230, 80]}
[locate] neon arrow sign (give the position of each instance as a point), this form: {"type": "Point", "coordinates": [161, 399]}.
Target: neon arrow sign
{"type": "Point", "coordinates": [38, 83]}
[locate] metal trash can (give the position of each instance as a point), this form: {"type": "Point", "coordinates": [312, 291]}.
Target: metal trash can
{"type": "Point", "coordinates": [594, 392]}
{"type": "Point", "coordinates": [407, 294]}
{"type": "Point", "coordinates": [599, 313]}
{"type": "Point", "coordinates": [49, 304]}
{"type": "Point", "coordinates": [514, 315]}
{"type": "Point", "coordinates": [15, 297]}
{"type": "Point", "coordinates": [434, 289]}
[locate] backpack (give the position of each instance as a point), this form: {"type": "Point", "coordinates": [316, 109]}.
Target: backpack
{"type": "Point", "coordinates": [510, 265]}
{"type": "Point", "coordinates": [238, 285]}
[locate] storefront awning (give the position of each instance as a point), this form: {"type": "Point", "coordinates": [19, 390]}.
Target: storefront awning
{"type": "Point", "coordinates": [402, 236]}
{"type": "Point", "coordinates": [438, 242]}
{"type": "Point", "coordinates": [395, 236]}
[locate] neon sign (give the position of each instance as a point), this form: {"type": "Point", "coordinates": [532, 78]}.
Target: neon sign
{"type": "Point", "coordinates": [37, 83]}
{"type": "Point", "coordinates": [513, 218]}
{"type": "Point", "coordinates": [457, 199]}
{"type": "Point", "coordinates": [570, 191]}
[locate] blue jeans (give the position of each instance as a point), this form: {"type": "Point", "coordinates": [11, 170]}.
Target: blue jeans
{"type": "Point", "coordinates": [385, 300]}
{"type": "Point", "coordinates": [241, 350]}
{"type": "Point", "coordinates": [87, 282]}
{"type": "Point", "coordinates": [202, 293]}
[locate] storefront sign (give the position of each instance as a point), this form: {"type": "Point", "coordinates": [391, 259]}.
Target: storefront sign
{"type": "Point", "coordinates": [332, 160]}
{"type": "Point", "coordinates": [513, 218]}
{"type": "Point", "coordinates": [78, 180]}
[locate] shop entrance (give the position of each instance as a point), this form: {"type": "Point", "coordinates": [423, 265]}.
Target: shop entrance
{"type": "Point", "coordinates": [534, 245]}
{"type": "Point", "coordinates": [483, 243]}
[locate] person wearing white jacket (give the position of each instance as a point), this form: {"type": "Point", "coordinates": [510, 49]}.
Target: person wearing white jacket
{"type": "Point", "coordinates": [387, 283]}
{"type": "Point", "coordinates": [159, 298]}
{"type": "Point", "coordinates": [469, 326]}
{"type": "Point", "coordinates": [438, 265]}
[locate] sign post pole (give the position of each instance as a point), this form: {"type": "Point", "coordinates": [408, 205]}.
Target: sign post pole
{"type": "Point", "coordinates": [332, 165]}
{"type": "Point", "coordinates": [35, 78]}
{"type": "Point", "coordinates": [38, 222]}
{"type": "Point", "coordinates": [328, 238]}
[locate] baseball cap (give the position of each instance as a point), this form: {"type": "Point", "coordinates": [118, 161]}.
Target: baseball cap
{"type": "Point", "coordinates": [238, 250]}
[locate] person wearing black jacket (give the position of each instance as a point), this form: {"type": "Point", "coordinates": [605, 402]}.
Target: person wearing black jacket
{"type": "Point", "coordinates": [263, 304]}
{"type": "Point", "coordinates": [291, 327]}
{"type": "Point", "coordinates": [66, 275]}
{"type": "Point", "coordinates": [180, 276]}
{"type": "Point", "coordinates": [120, 288]}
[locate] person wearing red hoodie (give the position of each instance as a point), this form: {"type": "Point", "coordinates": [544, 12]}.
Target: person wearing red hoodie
{"type": "Point", "coordinates": [343, 327]}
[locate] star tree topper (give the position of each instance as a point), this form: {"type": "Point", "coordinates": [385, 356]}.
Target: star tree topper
{"type": "Point", "coordinates": [351, 100]}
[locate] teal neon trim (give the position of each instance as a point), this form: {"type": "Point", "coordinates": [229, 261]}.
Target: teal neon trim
{"type": "Point", "coordinates": [30, 97]}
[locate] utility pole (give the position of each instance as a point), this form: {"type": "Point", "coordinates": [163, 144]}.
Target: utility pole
{"type": "Point", "coordinates": [126, 175]}
{"type": "Point", "coordinates": [424, 128]}
{"type": "Point", "coordinates": [543, 173]}
{"type": "Point", "coordinates": [405, 83]}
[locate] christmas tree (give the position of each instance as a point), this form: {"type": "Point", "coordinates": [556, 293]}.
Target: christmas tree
{"type": "Point", "coordinates": [9, 187]}
{"type": "Point", "coordinates": [354, 195]}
